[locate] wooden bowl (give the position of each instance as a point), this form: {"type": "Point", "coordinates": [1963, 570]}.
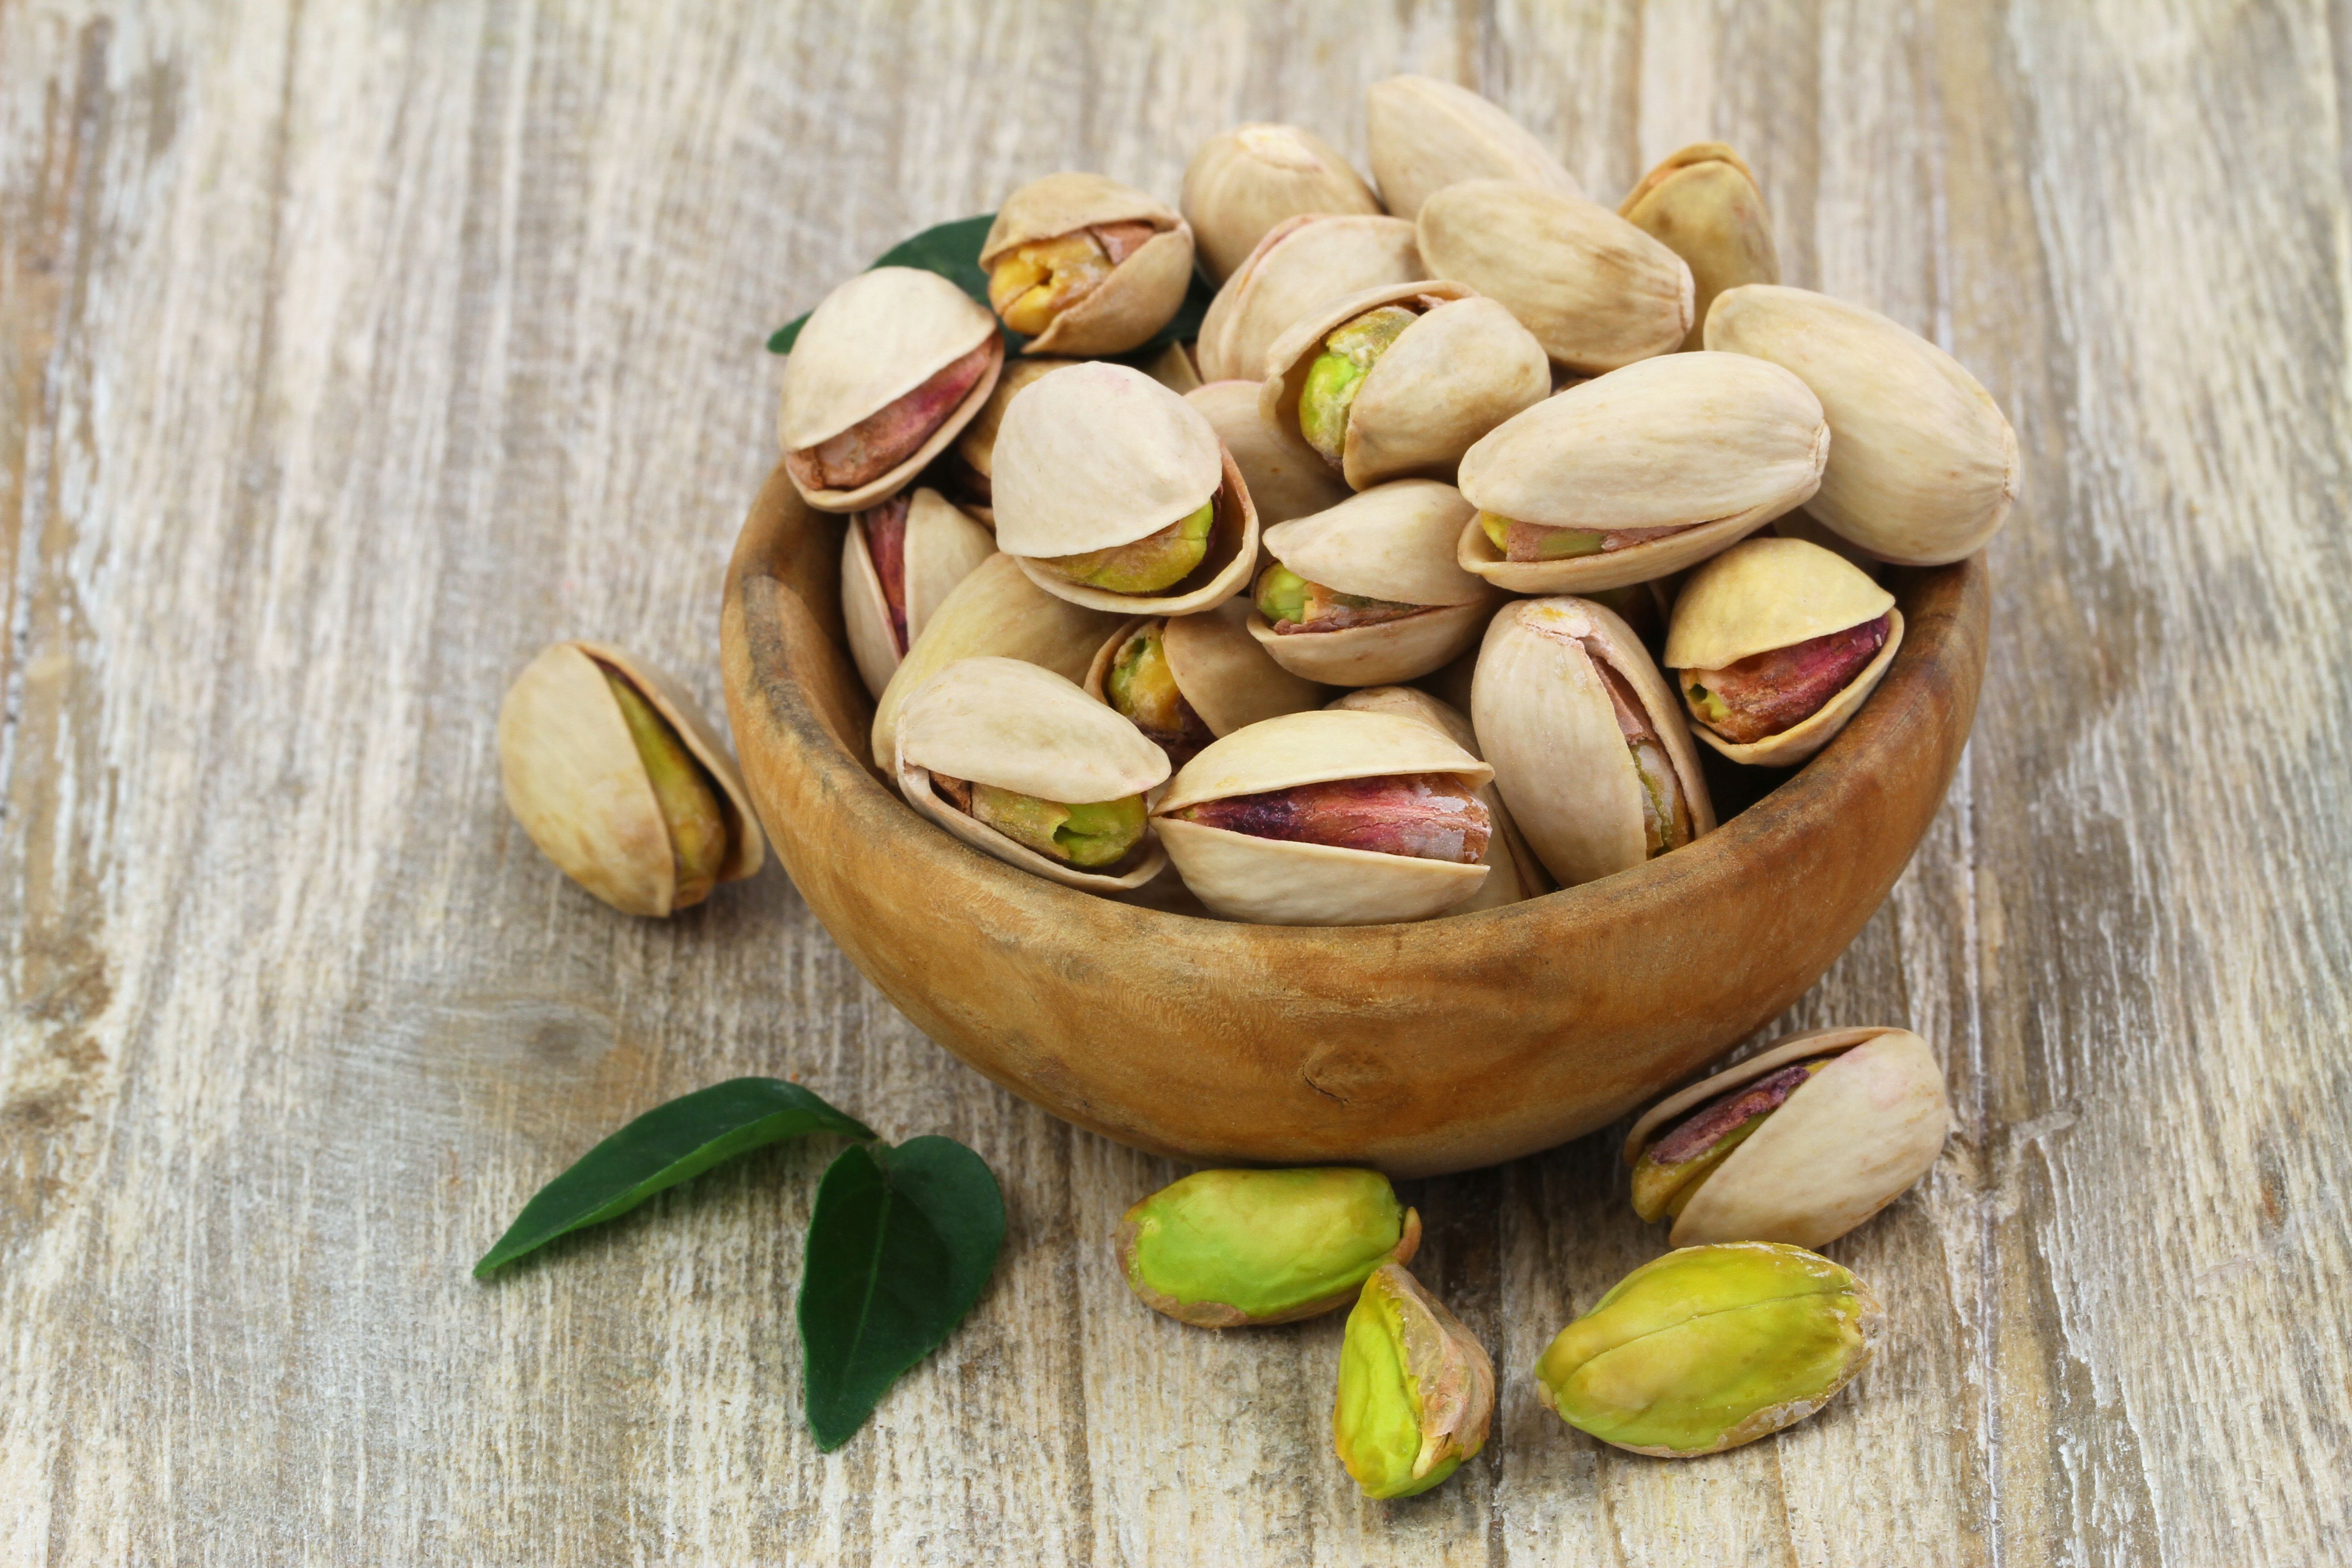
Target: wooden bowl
{"type": "Point", "coordinates": [1423, 1048]}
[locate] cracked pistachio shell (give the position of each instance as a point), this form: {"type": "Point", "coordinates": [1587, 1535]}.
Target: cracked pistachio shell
{"type": "Point", "coordinates": [1141, 294]}
{"type": "Point", "coordinates": [1285, 478]}
{"type": "Point", "coordinates": [1597, 292]}
{"type": "Point", "coordinates": [1244, 181]}
{"type": "Point", "coordinates": [1394, 542]}
{"type": "Point", "coordinates": [1277, 882]}
{"type": "Point", "coordinates": [1542, 710]}
{"type": "Point", "coordinates": [1715, 445]}
{"type": "Point", "coordinates": [1462, 369]}
{"type": "Point", "coordinates": [1015, 726]}
{"type": "Point", "coordinates": [1229, 1250]}
{"type": "Point", "coordinates": [943, 548]}
{"type": "Point", "coordinates": [1220, 670]}
{"type": "Point", "coordinates": [874, 340]}
{"type": "Point", "coordinates": [1702, 204]}
{"type": "Point", "coordinates": [1425, 134]}
{"type": "Point", "coordinates": [1763, 593]}
{"type": "Point", "coordinates": [1514, 872]}
{"type": "Point", "coordinates": [1099, 456]}
{"type": "Point", "coordinates": [1416, 1389]}
{"type": "Point", "coordinates": [574, 780]}
{"type": "Point", "coordinates": [1922, 466]}
{"type": "Point", "coordinates": [1710, 1347]}
{"type": "Point", "coordinates": [1846, 1142]}
{"type": "Point", "coordinates": [1301, 263]}
{"type": "Point", "coordinates": [975, 448]}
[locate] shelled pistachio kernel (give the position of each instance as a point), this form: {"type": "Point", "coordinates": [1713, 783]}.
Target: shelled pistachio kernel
{"type": "Point", "coordinates": [1230, 1248]}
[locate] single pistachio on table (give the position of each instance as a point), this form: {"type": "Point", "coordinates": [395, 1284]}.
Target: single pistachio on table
{"type": "Point", "coordinates": [1513, 871]}
{"type": "Point", "coordinates": [889, 369]}
{"type": "Point", "coordinates": [1597, 292]}
{"type": "Point", "coordinates": [1425, 134]}
{"type": "Point", "coordinates": [1301, 263]}
{"type": "Point", "coordinates": [1922, 466]}
{"type": "Point", "coordinates": [1368, 592]}
{"type": "Point", "coordinates": [1587, 744]}
{"type": "Point", "coordinates": [1775, 643]}
{"type": "Point", "coordinates": [1400, 381]}
{"type": "Point", "coordinates": [1640, 473]}
{"type": "Point", "coordinates": [1018, 763]}
{"type": "Point", "coordinates": [1710, 1347]}
{"type": "Point", "coordinates": [1798, 1144]}
{"type": "Point", "coordinates": [611, 771]}
{"type": "Point", "coordinates": [1227, 1249]}
{"type": "Point", "coordinates": [1082, 265]}
{"type": "Point", "coordinates": [1702, 204]}
{"type": "Point", "coordinates": [1285, 478]}
{"type": "Point", "coordinates": [965, 469]}
{"type": "Point", "coordinates": [1115, 493]}
{"type": "Point", "coordinates": [1243, 181]}
{"type": "Point", "coordinates": [1324, 818]}
{"type": "Point", "coordinates": [1184, 680]}
{"type": "Point", "coordinates": [898, 560]}
{"type": "Point", "coordinates": [1416, 1389]}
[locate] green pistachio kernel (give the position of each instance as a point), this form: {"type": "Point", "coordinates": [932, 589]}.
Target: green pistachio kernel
{"type": "Point", "coordinates": [1142, 687]}
{"type": "Point", "coordinates": [1157, 560]}
{"type": "Point", "coordinates": [1224, 1248]}
{"type": "Point", "coordinates": [1281, 595]}
{"type": "Point", "coordinates": [1416, 1389]}
{"type": "Point", "coordinates": [1086, 835]}
{"type": "Point", "coordinates": [690, 806]}
{"type": "Point", "coordinates": [1338, 376]}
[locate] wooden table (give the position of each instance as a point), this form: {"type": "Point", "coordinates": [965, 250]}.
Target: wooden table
{"type": "Point", "coordinates": [350, 352]}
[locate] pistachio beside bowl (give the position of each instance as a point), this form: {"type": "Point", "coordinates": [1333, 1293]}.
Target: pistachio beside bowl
{"type": "Point", "coordinates": [1225, 1249]}
{"type": "Point", "coordinates": [1416, 1389]}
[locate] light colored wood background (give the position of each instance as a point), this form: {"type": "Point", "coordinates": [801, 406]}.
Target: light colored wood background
{"type": "Point", "coordinates": [349, 352]}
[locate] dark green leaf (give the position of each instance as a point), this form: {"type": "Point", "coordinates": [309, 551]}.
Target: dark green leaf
{"type": "Point", "coordinates": [902, 1242]}
{"type": "Point", "coordinates": [664, 1147]}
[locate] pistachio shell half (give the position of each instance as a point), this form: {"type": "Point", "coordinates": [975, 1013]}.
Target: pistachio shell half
{"type": "Point", "coordinates": [1416, 1389]}
{"type": "Point", "coordinates": [1285, 478]}
{"type": "Point", "coordinates": [1425, 134]}
{"type": "Point", "coordinates": [968, 469]}
{"type": "Point", "coordinates": [898, 560]}
{"type": "Point", "coordinates": [1243, 181]}
{"type": "Point", "coordinates": [1082, 265]}
{"type": "Point", "coordinates": [1228, 1249]}
{"type": "Point", "coordinates": [1301, 263]}
{"type": "Point", "coordinates": [1184, 680]}
{"type": "Point", "coordinates": [1514, 872]}
{"type": "Point", "coordinates": [1702, 204]}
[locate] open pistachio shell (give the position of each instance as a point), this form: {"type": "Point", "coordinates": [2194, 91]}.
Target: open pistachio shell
{"type": "Point", "coordinates": [872, 340]}
{"type": "Point", "coordinates": [1243, 181]}
{"type": "Point", "coordinates": [1846, 1142]}
{"type": "Point", "coordinates": [1229, 681]}
{"type": "Point", "coordinates": [1300, 263]}
{"type": "Point", "coordinates": [974, 460]}
{"type": "Point", "coordinates": [1285, 478]}
{"type": "Point", "coordinates": [1702, 204]}
{"type": "Point", "coordinates": [1141, 292]}
{"type": "Point", "coordinates": [1713, 445]}
{"type": "Point", "coordinates": [1515, 872]}
{"type": "Point", "coordinates": [1010, 725]}
{"type": "Point", "coordinates": [943, 548]}
{"type": "Point", "coordinates": [1425, 134]}
{"type": "Point", "coordinates": [1280, 882]}
{"type": "Point", "coordinates": [1544, 713]}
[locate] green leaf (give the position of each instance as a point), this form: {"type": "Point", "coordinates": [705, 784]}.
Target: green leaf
{"type": "Point", "coordinates": [902, 1243]}
{"type": "Point", "coordinates": [664, 1147]}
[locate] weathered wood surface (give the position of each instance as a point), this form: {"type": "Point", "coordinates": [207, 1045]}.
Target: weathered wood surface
{"type": "Point", "coordinates": [350, 352]}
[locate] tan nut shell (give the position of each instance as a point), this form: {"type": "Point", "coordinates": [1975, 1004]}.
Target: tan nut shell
{"type": "Point", "coordinates": [943, 548]}
{"type": "Point", "coordinates": [1276, 882]}
{"type": "Point", "coordinates": [1425, 134]}
{"type": "Point", "coordinates": [574, 781]}
{"type": "Point", "coordinates": [1220, 671]}
{"type": "Point", "coordinates": [1515, 874]}
{"type": "Point", "coordinates": [1141, 294]}
{"type": "Point", "coordinates": [1596, 291]}
{"type": "Point", "coordinates": [1002, 722]}
{"type": "Point", "coordinates": [1705, 439]}
{"type": "Point", "coordinates": [977, 444]}
{"type": "Point", "coordinates": [1446, 381]}
{"type": "Point", "coordinates": [1703, 205]}
{"type": "Point", "coordinates": [1243, 181]}
{"type": "Point", "coordinates": [1301, 263]}
{"type": "Point", "coordinates": [1286, 476]}
{"type": "Point", "coordinates": [874, 340]}
{"type": "Point", "coordinates": [1549, 729]}
{"type": "Point", "coordinates": [1924, 466]}
{"type": "Point", "coordinates": [1849, 1141]}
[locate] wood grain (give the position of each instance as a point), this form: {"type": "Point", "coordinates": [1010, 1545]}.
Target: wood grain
{"type": "Point", "coordinates": [350, 352]}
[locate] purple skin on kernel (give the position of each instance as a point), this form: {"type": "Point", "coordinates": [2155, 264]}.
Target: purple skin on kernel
{"type": "Point", "coordinates": [1704, 1127]}
{"type": "Point", "coordinates": [888, 436]}
{"type": "Point", "coordinates": [885, 545]}
{"type": "Point", "coordinates": [1783, 686]}
{"type": "Point", "coordinates": [1427, 817]}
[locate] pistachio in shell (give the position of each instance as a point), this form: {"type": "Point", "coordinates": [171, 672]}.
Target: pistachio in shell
{"type": "Point", "coordinates": [888, 370]}
{"type": "Point", "coordinates": [1082, 264]}
{"type": "Point", "coordinates": [898, 560]}
{"type": "Point", "coordinates": [1798, 1144]}
{"type": "Point", "coordinates": [1416, 1389]}
{"type": "Point", "coordinates": [1702, 204]}
{"type": "Point", "coordinates": [1243, 181]}
{"type": "Point", "coordinates": [965, 471]}
{"type": "Point", "coordinates": [1227, 1249]}
{"type": "Point", "coordinates": [1285, 478]}
{"type": "Point", "coordinates": [1184, 680]}
{"type": "Point", "coordinates": [1301, 263]}
{"type": "Point", "coordinates": [1425, 134]}
{"type": "Point", "coordinates": [614, 774]}
{"type": "Point", "coordinates": [1775, 643]}
{"type": "Point", "coordinates": [1514, 873]}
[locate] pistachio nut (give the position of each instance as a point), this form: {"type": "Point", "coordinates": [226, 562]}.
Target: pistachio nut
{"type": "Point", "coordinates": [1639, 473]}
{"type": "Point", "coordinates": [1328, 818]}
{"type": "Point", "coordinates": [1924, 466]}
{"type": "Point", "coordinates": [1229, 1250]}
{"type": "Point", "coordinates": [1702, 204]}
{"type": "Point", "coordinates": [1301, 263]}
{"type": "Point", "coordinates": [1243, 181]}
{"type": "Point", "coordinates": [1800, 1143]}
{"type": "Point", "coordinates": [1368, 592]}
{"type": "Point", "coordinates": [1597, 292]}
{"type": "Point", "coordinates": [1416, 1388]}
{"type": "Point", "coordinates": [1587, 744]}
{"type": "Point", "coordinates": [610, 769]}
{"type": "Point", "coordinates": [1082, 265]}
{"type": "Point", "coordinates": [1184, 680]}
{"type": "Point", "coordinates": [1710, 1347]}
{"type": "Point", "coordinates": [886, 372]}
{"type": "Point", "coordinates": [898, 560]}
{"type": "Point", "coordinates": [1285, 478]}
{"type": "Point", "coordinates": [1513, 871]}
{"type": "Point", "coordinates": [1775, 643]}
{"type": "Point", "coordinates": [1017, 762]}
{"type": "Point", "coordinates": [1425, 134]}
{"type": "Point", "coordinates": [1401, 380]}
{"type": "Point", "coordinates": [1115, 493]}
{"type": "Point", "coordinates": [966, 470]}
